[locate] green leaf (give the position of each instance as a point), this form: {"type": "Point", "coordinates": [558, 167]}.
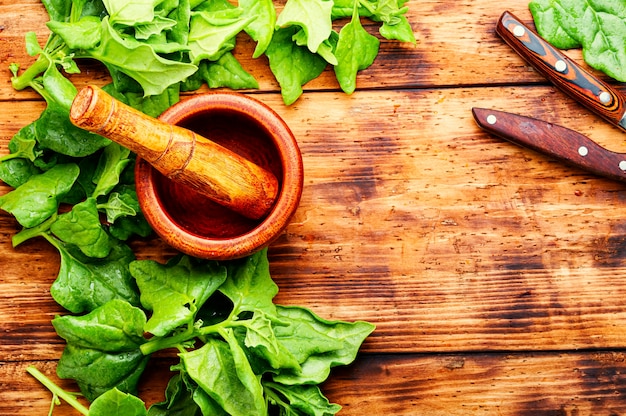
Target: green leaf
{"type": "Point", "coordinates": [213, 33]}
{"type": "Point", "coordinates": [56, 132]}
{"type": "Point", "coordinates": [175, 291]}
{"type": "Point", "coordinates": [84, 34]}
{"type": "Point", "coordinates": [301, 399]}
{"type": "Point", "coordinates": [401, 31]}
{"type": "Point", "coordinates": [112, 162]}
{"type": "Point", "coordinates": [227, 72]}
{"type": "Point", "coordinates": [356, 50]}
{"type": "Point", "coordinates": [598, 26]}
{"type": "Point", "coordinates": [318, 344]}
{"type": "Point", "coordinates": [178, 401]}
{"type": "Point", "coordinates": [157, 26]}
{"type": "Point", "coordinates": [37, 199]}
{"type": "Point", "coordinates": [154, 105]}
{"type": "Point", "coordinates": [82, 228]}
{"type": "Point", "coordinates": [249, 285]}
{"type": "Point", "coordinates": [33, 47]}
{"type": "Point", "coordinates": [130, 13]}
{"type": "Point", "coordinates": [292, 65]}
{"type": "Point", "coordinates": [58, 10]}
{"type": "Point", "coordinates": [313, 16]}
{"type": "Point", "coordinates": [117, 403]}
{"type": "Point", "coordinates": [116, 207]}
{"type": "Point", "coordinates": [97, 371]}
{"type": "Point", "coordinates": [125, 226]}
{"type": "Point", "coordinates": [139, 61]}
{"type": "Point", "coordinates": [17, 171]}
{"type": "Point", "coordinates": [58, 88]}
{"type": "Point", "coordinates": [261, 340]}
{"type": "Point", "coordinates": [261, 29]}
{"type": "Point", "coordinates": [83, 284]}
{"type": "Point", "coordinates": [115, 326]}
{"type": "Point", "coordinates": [222, 383]}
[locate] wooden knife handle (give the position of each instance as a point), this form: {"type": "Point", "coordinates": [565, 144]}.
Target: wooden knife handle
{"type": "Point", "coordinates": [562, 71]}
{"type": "Point", "coordinates": [179, 153]}
{"type": "Point", "coordinates": [552, 140]}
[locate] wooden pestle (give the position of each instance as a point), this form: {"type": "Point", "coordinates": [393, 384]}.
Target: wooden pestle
{"type": "Point", "coordinates": [179, 153]}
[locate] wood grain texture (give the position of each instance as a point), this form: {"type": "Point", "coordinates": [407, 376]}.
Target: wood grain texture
{"type": "Point", "coordinates": [494, 274]}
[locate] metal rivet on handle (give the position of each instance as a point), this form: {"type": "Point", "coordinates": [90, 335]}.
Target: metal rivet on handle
{"type": "Point", "coordinates": [560, 66]}
{"type": "Point", "coordinates": [605, 97]}
{"type": "Point", "coordinates": [519, 31]}
{"type": "Point", "coordinates": [583, 151]}
{"type": "Point", "coordinates": [491, 119]}
{"type": "Point", "coordinates": [622, 165]}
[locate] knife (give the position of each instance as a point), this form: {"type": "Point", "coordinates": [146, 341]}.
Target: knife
{"type": "Point", "coordinates": [553, 140]}
{"type": "Point", "coordinates": [562, 71]}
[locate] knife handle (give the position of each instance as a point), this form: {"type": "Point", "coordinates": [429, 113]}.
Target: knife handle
{"type": "Point", "coordinates": [562, 71]}
{"type": "Point", "coordinates": [555, 141]}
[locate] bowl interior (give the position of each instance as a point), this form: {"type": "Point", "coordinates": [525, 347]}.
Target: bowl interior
{"type": "Point", "coordinates": [194, 212]}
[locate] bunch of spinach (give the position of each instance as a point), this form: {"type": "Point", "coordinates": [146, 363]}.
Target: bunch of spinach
{"type": "Point", "coordinates": [76, 190]}
{"type": "Point", "coordinates": [150, 46]}
{"type": "Point", "coordinates": [599, 27]}
{"type": "Point", "coordinates": [240, 354]}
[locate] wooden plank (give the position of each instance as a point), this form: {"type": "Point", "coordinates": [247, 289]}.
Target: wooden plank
{"type": "Point", "coordinates": [535, 384]}
{"type": "Point", "coordinates": [445, 237]}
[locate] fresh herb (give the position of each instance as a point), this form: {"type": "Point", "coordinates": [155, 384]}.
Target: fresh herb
{"type": "Point", "coordinates": [240, 354]}
{"type": "Point", "coordinates": [76, 190]}
{"type": "Point", "coordinates": [599, 27]}
{"type": "Point", "coordinates": [152, 46]}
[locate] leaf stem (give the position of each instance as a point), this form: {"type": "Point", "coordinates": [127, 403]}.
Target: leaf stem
{"type": "Point", "coordinates": [26, 78]}
{"type": "Point", "coordinates": [56, 390]}
{"type": "Point", "coordinates": [159, 343]}
{"type": "Point", "coordinates": [40, 230]}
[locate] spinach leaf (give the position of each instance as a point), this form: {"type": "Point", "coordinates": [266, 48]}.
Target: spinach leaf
{"type": "Point", "coordinates": [356, 50]}
{"type": "Point", "coordinates": [318, 344]}
{"type": "Point", "coordinates": [96, 371]}
{"type": "Point", "coordinates": [139, 61]}
{"type": "Point", "coordinates": [81, 227]}
{"type": "Point", "coordinates": [211, 34]}
{"type": "Point", "coordinates": [38, 198]}
{"type": "Point", "coordinates": [179, 400]}
{"type": "Point", "coordinates": [300, 399]}
{"type": "Point", "coordinates": [117, 207]}
{"type": "Point", "coordinates": [122, 208]}
{"type": "Point", "coordinates": [223, 383]}
{"type": "Point", "coordinates": [18, 166]}
{"type": "Point", "coordinates": [598, 26]}
{"type": "Point", "coordinates": [84, 283]}
{"type": "Point", "coordinates": [116, 403]}
{"type": "Point", "coordinates": [113, 161]}
{"type": "Point", "coordinates": [262, 341]}
{"type": "Point", "coordinates": [115, 326]}
{"type": "Point", "coordinates": [313, 16]}
{"type": "Point", "coordinates": [56, 132]}
{"type": "Point", "coordinates": [102, 350]}
{"type": "Point", "coordinates": [261, 28]}
{"type": "Point", "coordinates": [131, 13]}
{"type": "Point", "coordinates": [83, 34]}
{"type": "Point", "coordinates": [175, 292]}
{"type": "Point", "coordinates": [249, 285]}
{"type": "Point", "coordinates": [227, 72]}
{"type": "Point", "coordinates": [292, 65]}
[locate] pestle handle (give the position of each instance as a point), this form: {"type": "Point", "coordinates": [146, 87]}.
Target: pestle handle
{"type": "Point", "coordinates": [178, 153]}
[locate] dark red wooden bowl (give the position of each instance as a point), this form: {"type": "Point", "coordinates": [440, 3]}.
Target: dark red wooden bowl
{"type": "Point", "coordinates": [192, 223]}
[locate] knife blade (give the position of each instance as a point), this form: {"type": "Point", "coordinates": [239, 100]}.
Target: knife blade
{"type": "Point", "coordinates": [556, 141]}
{"type": "Point", "coordinates": [563, 72]}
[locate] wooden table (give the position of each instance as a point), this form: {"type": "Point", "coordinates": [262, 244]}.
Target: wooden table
{"type": "Point", "coordinates": [495, 275]}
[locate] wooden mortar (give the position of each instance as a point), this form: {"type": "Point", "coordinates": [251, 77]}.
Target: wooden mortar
{"type": "Point", "coordinates": [180, 154]}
